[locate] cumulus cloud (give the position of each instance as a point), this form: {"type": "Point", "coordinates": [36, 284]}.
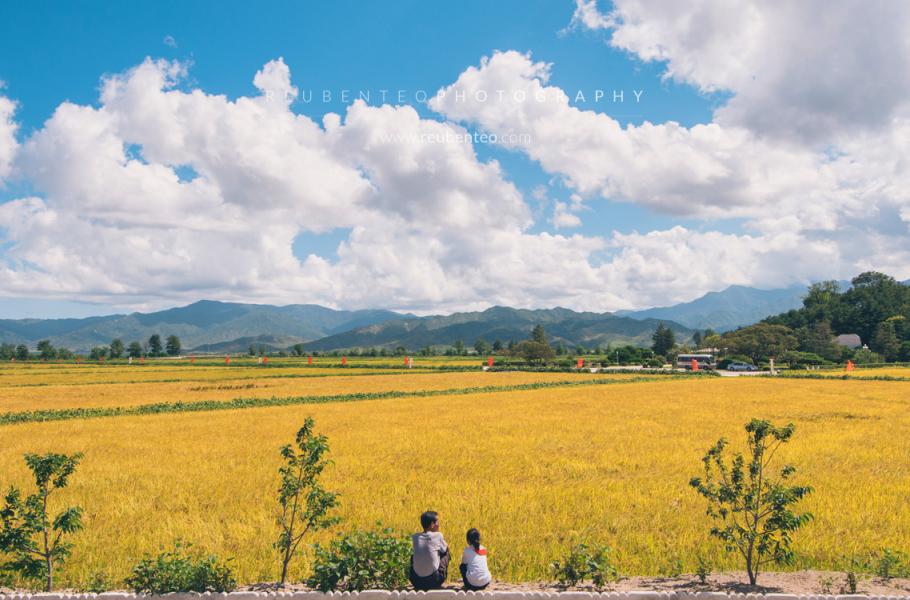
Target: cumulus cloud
{"type": "Point", "coordinates": [805, 71]}
{"type": "Point", "coordinates": [8, 143]}
{"type": "Point", "coordinates": [433, 227]}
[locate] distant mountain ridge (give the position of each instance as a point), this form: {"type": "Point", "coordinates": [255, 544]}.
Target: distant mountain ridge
{"type": "Point", "coordinates": [212, 326]}
{"type": "Point", "coordinates": [731, 308]}
{"type": "Point", "coordinates": [504, 324]}
{"type": "Point", "coordinates": [202, 323]}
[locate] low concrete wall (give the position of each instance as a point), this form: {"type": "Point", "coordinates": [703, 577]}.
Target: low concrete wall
{"type": "Point", "coordinates": [452, 595]}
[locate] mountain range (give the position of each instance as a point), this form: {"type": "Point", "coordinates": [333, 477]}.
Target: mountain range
{"type": "Point", "coordinates": [733, 307]}
{"type": "Point", "coordinates": [218, 327]}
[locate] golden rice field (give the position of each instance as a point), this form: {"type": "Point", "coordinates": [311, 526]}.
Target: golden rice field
{"type": "Point", "coordinates": [534, 469]}
{"type": "Point", "coordinates": [860, 373]}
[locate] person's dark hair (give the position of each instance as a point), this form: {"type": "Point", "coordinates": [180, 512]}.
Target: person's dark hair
{"type": "Point", "coordinates": [428, 518]}
{"type": "Point", "coordinates": [474, 538]}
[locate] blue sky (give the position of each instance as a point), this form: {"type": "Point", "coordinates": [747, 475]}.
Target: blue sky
{"type": "Point", "coordinates": [51, 53]}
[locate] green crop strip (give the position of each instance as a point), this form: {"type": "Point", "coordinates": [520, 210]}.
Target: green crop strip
{"type": "Point", "coordinates": [67, 414]}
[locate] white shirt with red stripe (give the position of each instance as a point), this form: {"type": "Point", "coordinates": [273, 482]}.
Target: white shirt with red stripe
{"type": "Point", "coordinates": [478, 573]}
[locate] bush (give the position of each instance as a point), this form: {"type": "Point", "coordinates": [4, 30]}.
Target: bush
{"type": "Point", "coordinates": [585, 562]}
{"type": "Point", "coordinates": [181, 570]}
{"type": "Point", "coordinates": [891, 563]}
{"type": "Point", "coordinates": [362, 560]}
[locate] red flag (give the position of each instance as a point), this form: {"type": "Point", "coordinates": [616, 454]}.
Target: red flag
{"type": "Point", "coordinates": [490, 361]}
{"type": "Point", "coordinates": [309, 360]}
{"type": "Point", "coordinates": [227, 360]}
{"type": "Point", "coordinates": [694, 365]}
{"type": "Point", "coordinates": [141, 360]}
{"type": "Point", "coordinates": [344, 360]}
{"type": "Point", "coordinates": [407, 360]}
{"type": "Point", "coordinates": [850, 365]}
{"type": "Point", "coordinates": [581, 362]}
{"type": "Point", "coordinates": [192, 360]}
{"type": "Point", "coordinates": [265, 360]}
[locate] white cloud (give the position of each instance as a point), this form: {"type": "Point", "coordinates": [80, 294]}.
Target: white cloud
{"type": "Point", "coordinates": [8, 128]}
{"type": "Point", "coordinates": [563, 216]}
{"type": "Point", "coordinates": [432, 227]}
{"type": "Point", "coordinates": [808, 71]}
{"type": "Point", "coordinates": [706, 171]}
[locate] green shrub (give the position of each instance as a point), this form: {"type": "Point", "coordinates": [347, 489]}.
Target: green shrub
{"type": "Point", "coordinates": [181, 570]}
{"type": "Point", "coordinates": [703, 569]}
{"type": "Point", "coordinates": [377, 559]}
{"type": "Point", "coordinates": [891, 563]}
{"type": "Point", "coordinates": [585, 562]}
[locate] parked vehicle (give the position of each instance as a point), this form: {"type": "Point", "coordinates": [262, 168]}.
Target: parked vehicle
{"type": "Point", "coordinates": [705, 361]}
{"type": "Point", "coordinates": [741, 366]}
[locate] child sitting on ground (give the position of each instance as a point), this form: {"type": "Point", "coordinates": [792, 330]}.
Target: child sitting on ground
{"type": "Point", "coordinates": [474, 569]}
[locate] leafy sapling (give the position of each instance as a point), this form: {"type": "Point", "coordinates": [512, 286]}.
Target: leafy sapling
{"type": "Point", "coordinates": [753, 509]}
{"type": "Point", "coordinates": [35, 541]}
{"type": "Point", "coordinates": [305, 506]}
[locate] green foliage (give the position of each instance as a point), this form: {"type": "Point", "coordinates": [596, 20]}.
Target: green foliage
{"type": "Point", "coordinates": [21, 352]}
{"type": "Point", "coordinates": [891, 563]}
{"type": "Point", "coordinates": [305, 505]}
{"type": "Point", "coordinates": [362, 560]}
{"type": "Point", "coordinates": [98, 353]}
{"type": "Point", "coordinates": [585, 562]}
{"type": "Point", "coordinates": [663, 341]}
{"type": "Point", "coordinates": [134, 350]}
{"type": "Point", "coordinates": [876, 307]}
{"type": "Point", "coordinates": [116, 349]}
{"type": "Point", "coordinates": [32, 539]}
{"type": "Point", "coordinates": [703, 569]}
{"type": "Point", "coordinates": [181, 570]}
{"type": "Point", "coordinates": [296, 350]}
{"type": "Point", "coordinates": [172, 345]}
{"type": "Point", "coordinates": [533, 351]}
{"type": "Point", "coordinates": [46, 351]}
{"type": "Point", "coordinates": [760, 341]}
{"type": "Point", "coordinates": [539, 335]}
{"type": "Point", "coordinates": [753, 510]}
{"type": "Point", "coordinates": [155, 345]}
{"type": "Point", "coordinates": [885, 342]}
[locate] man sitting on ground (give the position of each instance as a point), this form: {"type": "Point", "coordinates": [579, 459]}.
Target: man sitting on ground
{"type": "Point", "coordinates": [430, 561]}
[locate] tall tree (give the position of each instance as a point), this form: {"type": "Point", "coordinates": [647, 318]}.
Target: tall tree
{"type": "Point", "coordinates": [539, 335]}
{"type": "Point", "coordinates": [760, 341]}
{"type": "Point", "coordinates": [21, 352]}
{"type": "Point", "coordinates": [116, 348]}
{"type": "Point", "coordinates": [172, 345]}
{"type": "Point", "coordinates": [134, 350]}
{"type": "Point", "coordinates": [885, 342]}
{"type": "Point", "coordinates": [662, 340]}
{"type": "Point", "coordinates": [46, 351]}
{"type": "Point", "coordinates": [155, 345]}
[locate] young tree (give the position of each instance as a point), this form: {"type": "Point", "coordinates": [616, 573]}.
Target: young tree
{"type": "Point", "coordinates": [155, 345]}
{"type": "Point", "coordinates": [753, 509]}
{"type": "Point", "coordinates": [134, 350]}
{"type": "Point", "coordinates": [33, 540]}
{"type": "Point", "coordinates": [305, 505]}
{"type": "Point", "coordinates": [172, 346]}
{"type": "Point", "coordinates": [663, 340]}
{"type": "Point", "coordinates": [116, 348]}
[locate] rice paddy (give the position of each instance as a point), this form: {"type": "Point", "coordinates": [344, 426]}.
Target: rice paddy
{"type": "Point", "coordinates": [534, 469]}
